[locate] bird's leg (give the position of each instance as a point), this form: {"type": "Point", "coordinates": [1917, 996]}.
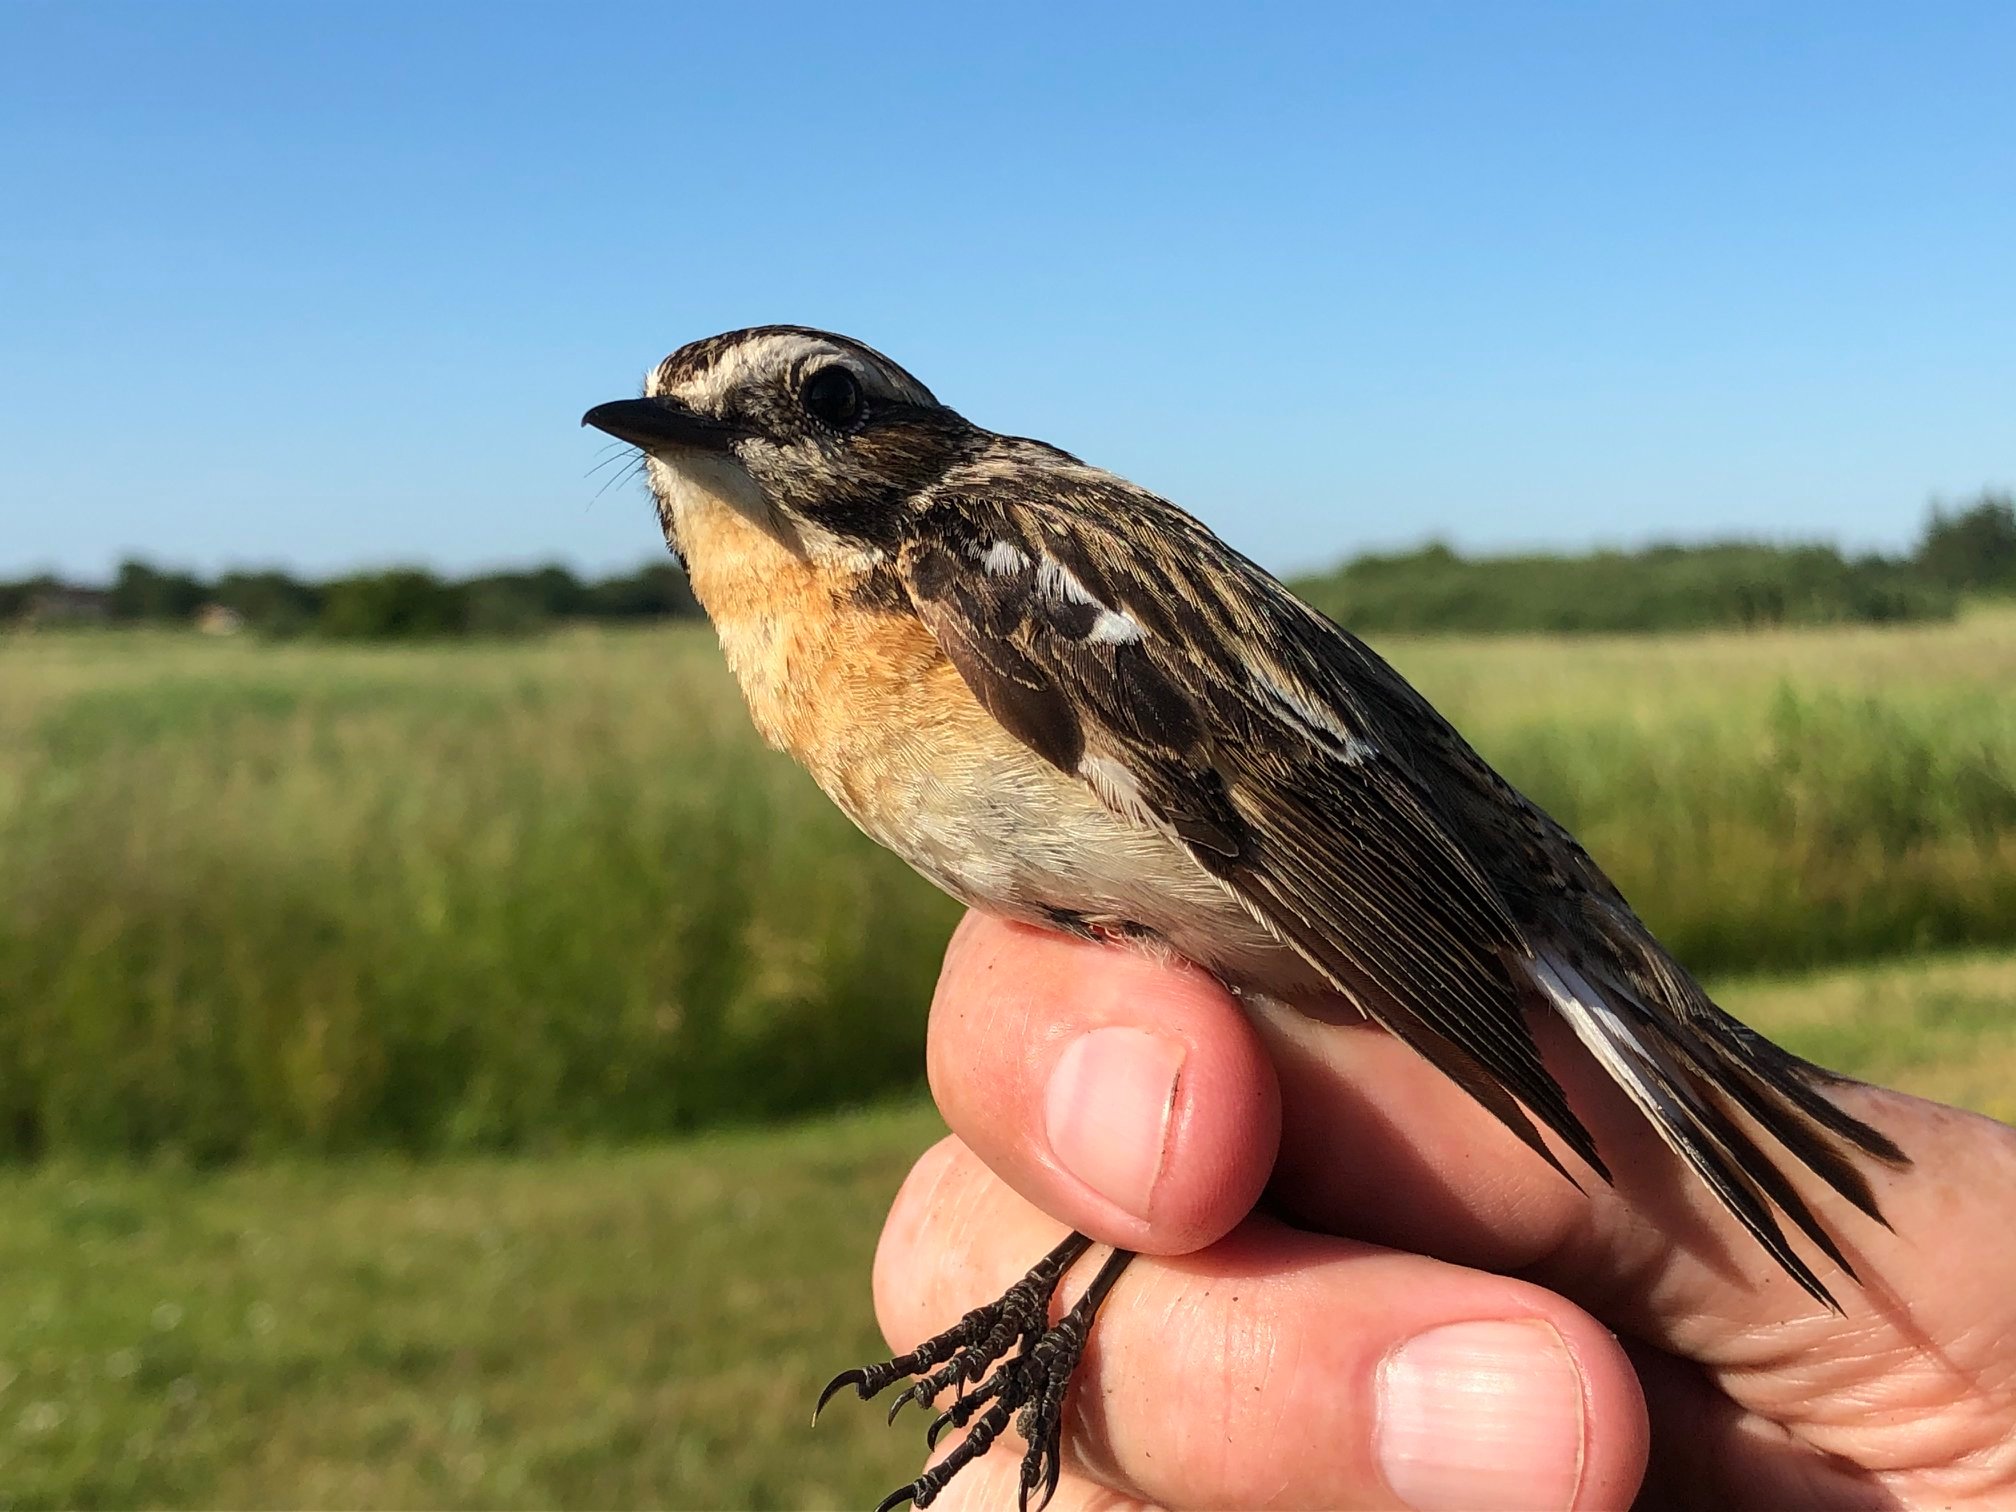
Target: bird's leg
{"type": "Point", "coordinates": [1026, 1387]}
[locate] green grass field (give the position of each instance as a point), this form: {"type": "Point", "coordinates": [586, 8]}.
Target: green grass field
{"type": "Point", "coordinates": [268, 903]}
{"type": "Point", "coordinates": [299, 897]}
{"type": "Point", "coordinates": [637, 1328]}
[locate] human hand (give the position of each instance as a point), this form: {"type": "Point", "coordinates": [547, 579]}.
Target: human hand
{"type": "Point", "coordinates": [1423, 1314]}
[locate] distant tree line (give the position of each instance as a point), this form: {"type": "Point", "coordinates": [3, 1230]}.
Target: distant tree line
{"type": "Point", "coordinates": [1970, 549]}
{"type": "Point", "coordinates": [1966, 549]}
{"type": "Point", "coordinates": [400, 602]}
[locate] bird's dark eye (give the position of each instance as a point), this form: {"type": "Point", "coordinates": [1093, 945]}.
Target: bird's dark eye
{"type": "Point", "coordinates": [832, 396]}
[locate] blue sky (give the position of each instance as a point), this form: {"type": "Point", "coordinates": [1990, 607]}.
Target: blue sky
{"type": "Point", "coordinates": [327, 285]}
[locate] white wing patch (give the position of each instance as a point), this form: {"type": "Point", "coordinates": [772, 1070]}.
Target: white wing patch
{"type": "Point", "coordinates": [1311, 716]}
{"type": "Point", "coordinates": [1117, 788]}
{"type": "Point", "coordinates": [1599, 1026]}
{"type": "Point", "coordinates": [1113, 628]}
{"type": "Point", "coordinates": [1059, 584]}
{"type": "Point", "coordinates": [1055, 580]}
{"type": "Point", "coordinates": [1004, 559]}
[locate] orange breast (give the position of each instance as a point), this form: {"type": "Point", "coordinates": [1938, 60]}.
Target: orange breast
{"type": "Point", "coordinates": [869, 704]}
{"type": "Point", "coordinates": [862, 697]}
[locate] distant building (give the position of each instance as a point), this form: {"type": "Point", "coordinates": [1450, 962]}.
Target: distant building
{"type": "Point", "coordinates": [219, 619]}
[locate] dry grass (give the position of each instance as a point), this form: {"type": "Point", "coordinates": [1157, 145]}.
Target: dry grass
{"type": "Point", "coordinates": [1943, 1028]}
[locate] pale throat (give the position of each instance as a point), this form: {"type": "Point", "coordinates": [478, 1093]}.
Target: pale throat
{"type": "Point", "coordinates": [788, 628]}
{"type": "Point", "coordinates": [738, 554]}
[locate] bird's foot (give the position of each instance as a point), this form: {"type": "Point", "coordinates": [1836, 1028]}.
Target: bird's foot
{"type": "Point", "coordinates": [1026, 1388]}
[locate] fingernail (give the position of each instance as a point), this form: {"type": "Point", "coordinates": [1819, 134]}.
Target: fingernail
{"type": "Point", "coordinates": [1482, 1414]}
{"type": "Point", "coordinates": [1108, 1108]}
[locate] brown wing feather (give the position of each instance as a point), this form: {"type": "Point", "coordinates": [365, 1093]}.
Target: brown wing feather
{"type": "Point", "coordinates": [1342, 857]}
{"type": "Point", "coordinates": [1316, 784]}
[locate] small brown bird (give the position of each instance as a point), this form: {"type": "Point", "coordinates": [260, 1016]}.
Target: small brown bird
{"type": "Point", "coordinates": [1065, 701]}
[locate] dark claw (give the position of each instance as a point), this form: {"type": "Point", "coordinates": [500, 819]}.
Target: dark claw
{"type": "Point", "coordinates": [1042, 1467]}
{"type": "Point", "coordinates": [871, 1380]}
{"type": "Point", "coordinates": [1018, 1366]}
{"type": "Point", "coordinates": [961, 1411]}
{"type": "Point", "coordinates": [855, 1378]}
{"type": "Point", "coordinates": [938, 1425]}
{"type": "Point", "coordinates": [916, 1391]}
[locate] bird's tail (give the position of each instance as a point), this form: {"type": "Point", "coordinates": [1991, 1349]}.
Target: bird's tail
{"type": "Point", "coordinates": [1684, 1063]}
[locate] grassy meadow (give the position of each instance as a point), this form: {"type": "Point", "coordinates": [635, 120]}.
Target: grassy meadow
{"type": "Point", "coordinates": [296, 897]}
{"type": "Point", "coordinates": [640, 1327]}
{"type": "Point", "coordinates": [528, 908]}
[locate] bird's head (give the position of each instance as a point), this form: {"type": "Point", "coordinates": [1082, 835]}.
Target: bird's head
{"type": "Point", "coordinates": [815, 438]}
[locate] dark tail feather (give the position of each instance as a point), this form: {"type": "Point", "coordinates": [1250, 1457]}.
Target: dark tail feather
{"type": "Point", "coordinates": [1771, 1087]}
{"type": "Point", "coordinates": [1453, 1062]}
{"type": "Point", "coordinates": [1677, 1078]}
{"type": "Point", "coordinates": [1795, 1080]}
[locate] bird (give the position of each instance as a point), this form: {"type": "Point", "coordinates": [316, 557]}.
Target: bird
{"type": "Point", "coordinates": [1065, 701]}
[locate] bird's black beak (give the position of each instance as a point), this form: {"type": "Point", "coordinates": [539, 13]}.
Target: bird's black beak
{"type": "Point", "coordinates": [652, 423]}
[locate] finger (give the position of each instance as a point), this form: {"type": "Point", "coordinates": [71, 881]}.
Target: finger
{"type": "Point", "coordinates": [1288, 1369]}
{"type": "Point", "coordinates": [1377, 1144]}
{"type": "Point", "coordinates": [993, 1482]}
{"type": "Point", "coordinates": [1128, 1098]}
{"type": "Point", "coordinates": [1654, 1252]}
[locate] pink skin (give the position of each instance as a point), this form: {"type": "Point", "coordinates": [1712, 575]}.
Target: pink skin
{"type": "Point", "coordinates": [1435, 1328]}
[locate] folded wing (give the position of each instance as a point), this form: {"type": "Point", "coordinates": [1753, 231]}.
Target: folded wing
{"type": "Point", "coordinates": [1192, 692]}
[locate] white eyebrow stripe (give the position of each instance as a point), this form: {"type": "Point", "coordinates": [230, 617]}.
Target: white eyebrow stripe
{"type": "Point", "coordinates": [1312, 716]}
{"type": "Point", "coordinates": [1004, 558]}
{"type": "Point", "coordinates": [751, 359]}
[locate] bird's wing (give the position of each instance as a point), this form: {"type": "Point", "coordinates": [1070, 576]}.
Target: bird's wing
{"type": "Point", "coordinates": [1170, 678]}
{"type": "Point", "coordinates": [1125, 643]}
